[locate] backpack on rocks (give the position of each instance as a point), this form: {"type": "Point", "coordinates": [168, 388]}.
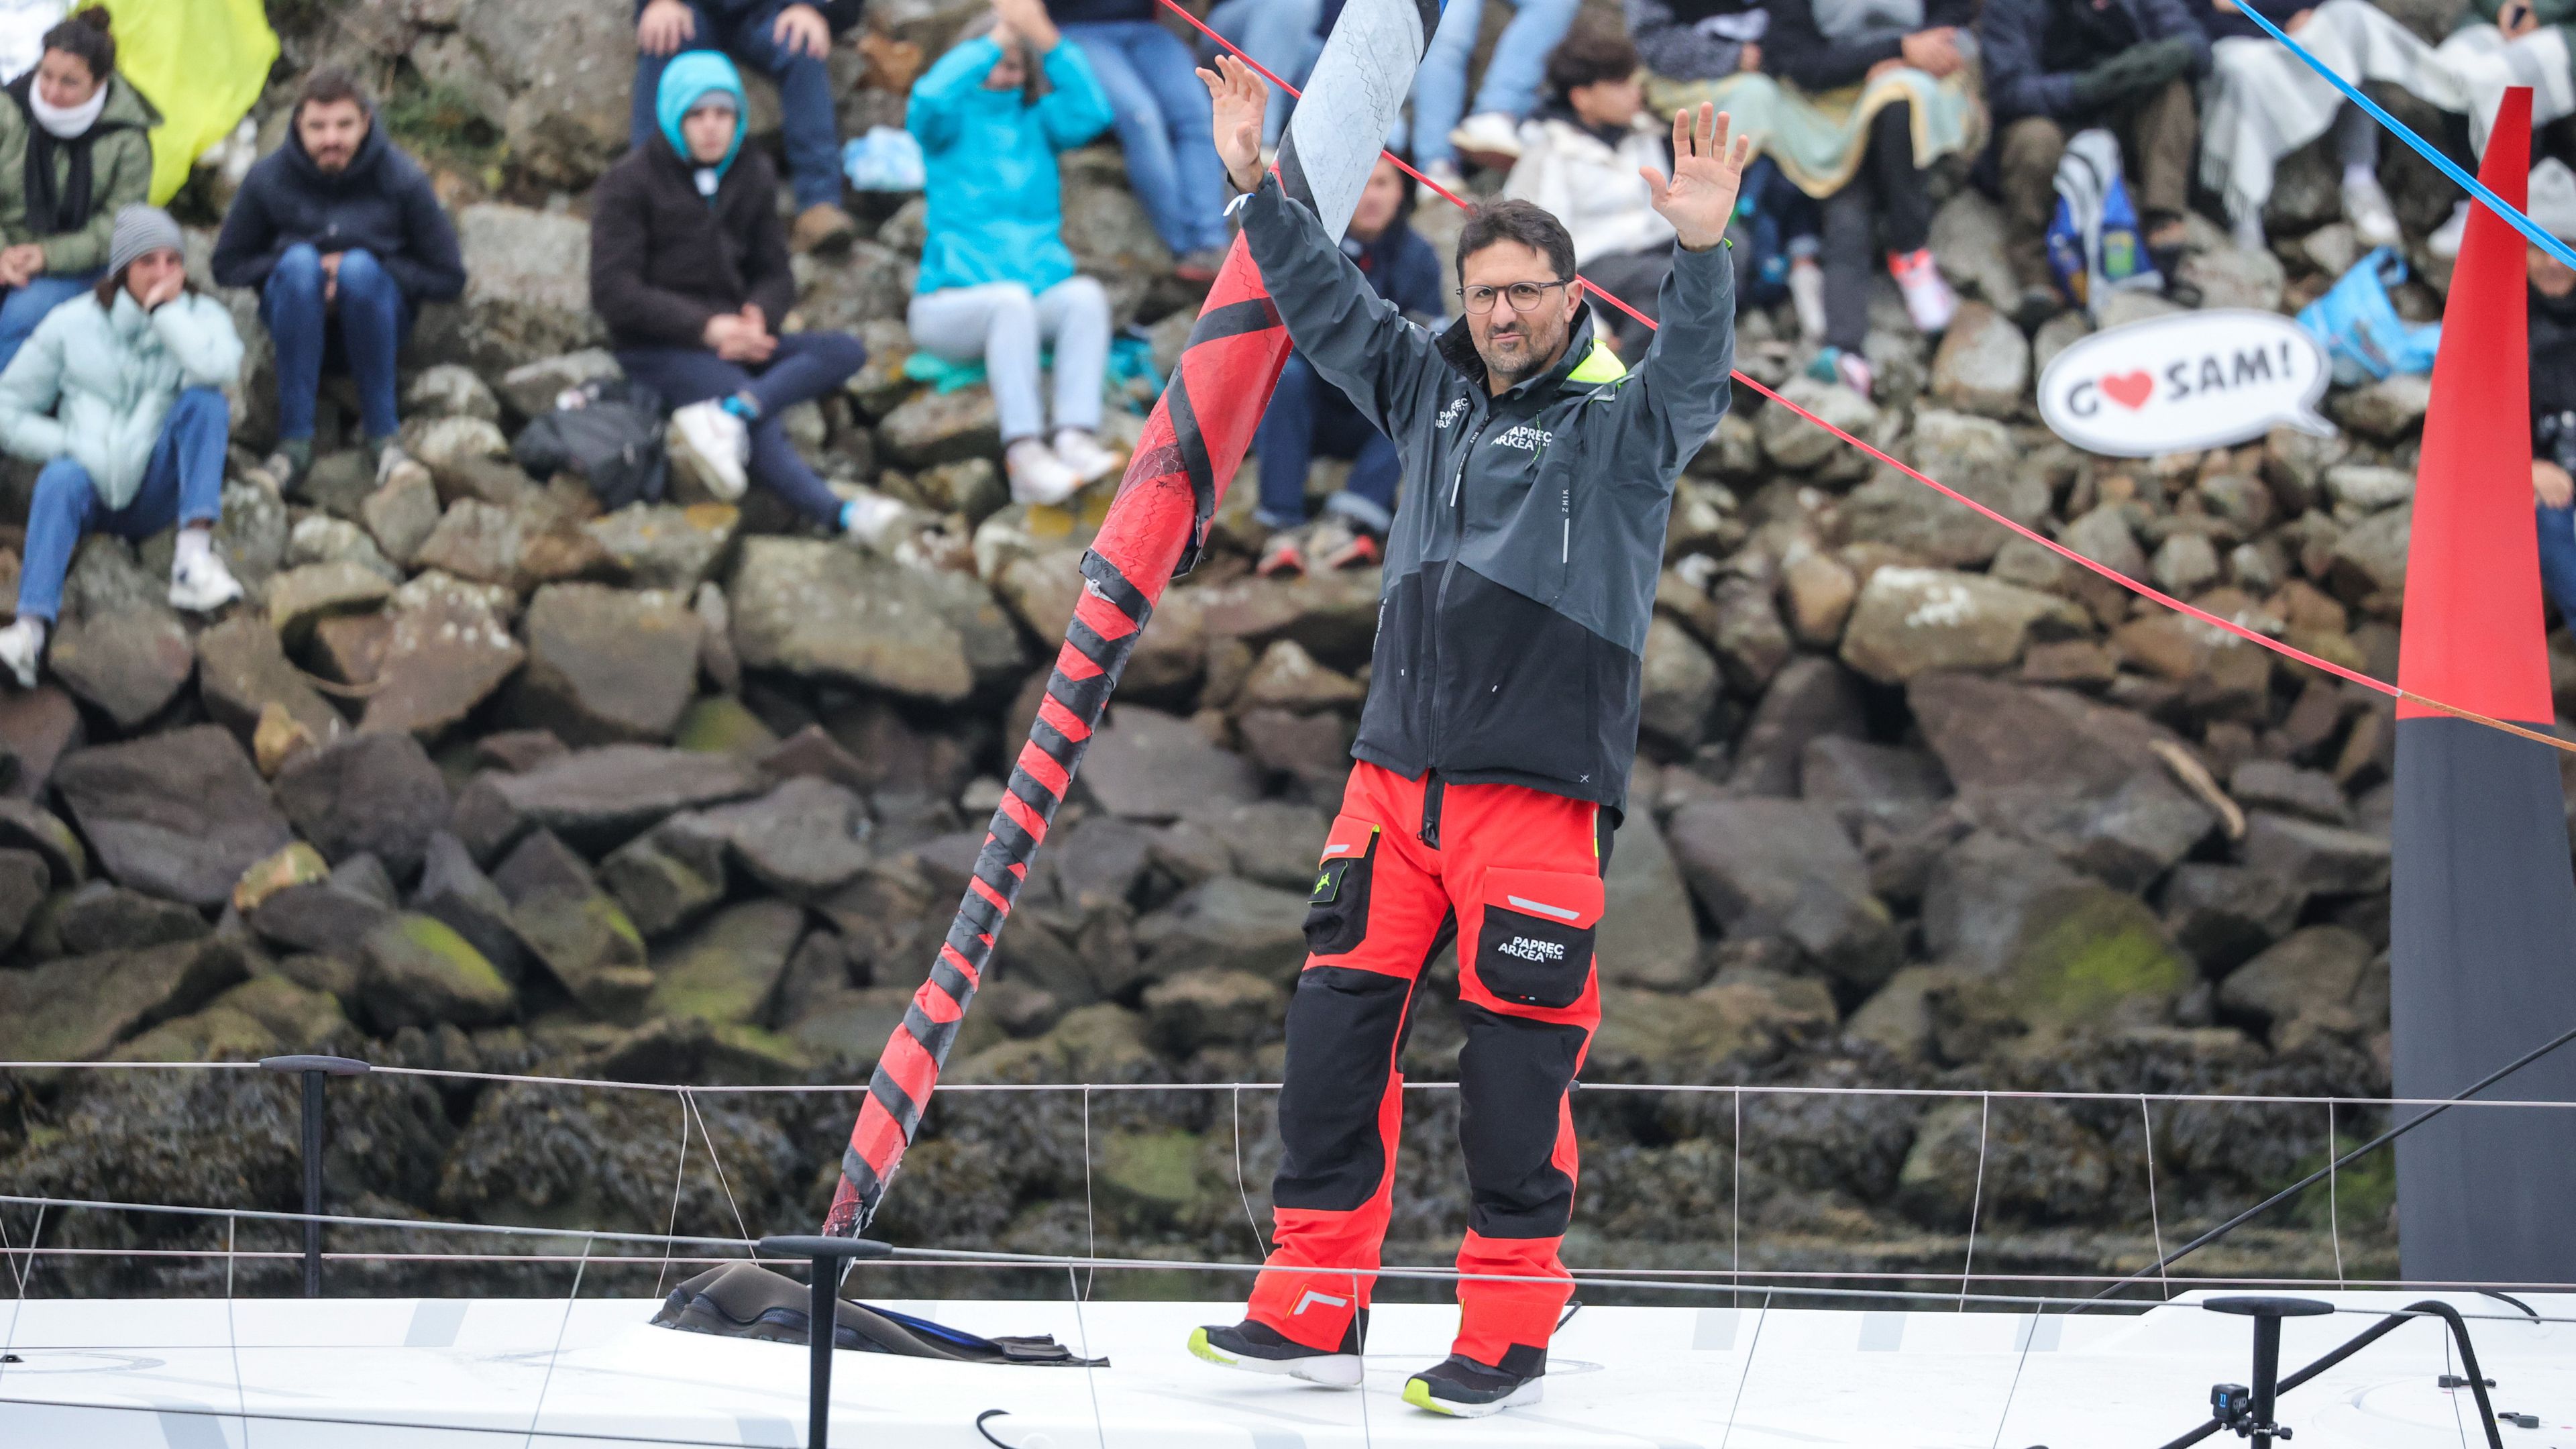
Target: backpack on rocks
{"type": "Point", "coordinates": [607, 430]}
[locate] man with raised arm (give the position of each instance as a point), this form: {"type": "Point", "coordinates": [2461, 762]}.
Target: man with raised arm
{"type": "Point", "coordinates": [1493, 752]}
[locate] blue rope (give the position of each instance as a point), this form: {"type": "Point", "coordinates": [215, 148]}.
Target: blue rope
{"type": "Point", "coordinates": [2424, 148]}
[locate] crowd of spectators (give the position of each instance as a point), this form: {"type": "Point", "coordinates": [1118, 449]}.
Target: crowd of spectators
{"type": "Point", "coordinates": [1855, 105]}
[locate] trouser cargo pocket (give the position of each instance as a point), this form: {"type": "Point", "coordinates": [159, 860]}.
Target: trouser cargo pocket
{"type": "Point", "coordinates": [1337, 907]}
{"type": "Point", "coordinates": [1535, 943]}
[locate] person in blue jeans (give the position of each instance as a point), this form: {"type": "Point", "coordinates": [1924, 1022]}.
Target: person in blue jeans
{"type": "Point", "coordinates": [1161, 114]}
{"type": "Point", "coordinates": [1308, 415]}
{"type": "Point", "coordinates": [74, 146]}
{"type": "Point", "coordinates": [1284, 37]}
{"type": "Point", "coordinates": [345, 240]}
{"type": "Point", "coordinates": [1509, 92]}
{"type": "Point", "coordinates": [789, 41]}
{"type": "Point", "coordinates": [119, 395]}
{"type": "Point", "coordinates": [689, 269]}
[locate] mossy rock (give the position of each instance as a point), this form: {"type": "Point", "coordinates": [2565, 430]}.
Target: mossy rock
{"type": "Point", "coordinates": [420, 972]}
{"type": "Point", "coordinates": [719, 724]}
{"type": "Point", "coordinates": [2089, 958]}
{"type": "Point", "coordinates": [1152, 1173]}
{"type": "Point", "coordinates": [726, 971]}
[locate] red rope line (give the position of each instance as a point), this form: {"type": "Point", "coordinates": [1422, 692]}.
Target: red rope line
{"type": "Point", "coordinates": [2145, 591]}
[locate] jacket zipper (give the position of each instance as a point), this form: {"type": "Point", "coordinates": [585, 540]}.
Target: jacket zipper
{"type": "Point", "coordinates": [1440, 601]}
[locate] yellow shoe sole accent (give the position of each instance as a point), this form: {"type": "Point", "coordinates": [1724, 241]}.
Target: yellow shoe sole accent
{"type": "Point", "coordinates": [1418, 1394]}
{"type": "Point", "coordinates": [1200, 1347]}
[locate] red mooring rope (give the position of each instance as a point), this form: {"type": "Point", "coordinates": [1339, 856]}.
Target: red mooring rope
{"type": "Point", "coordinates": [1936, 485]}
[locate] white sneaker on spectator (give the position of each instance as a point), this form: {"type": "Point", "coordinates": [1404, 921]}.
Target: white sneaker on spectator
{"type": "Point", "coordinates": [201, 585]}
{"type": "Point", "coordinates": [1807, 297]}
{"type": "Point", "coordinates": [1037, 474]}
{"type": "Point", "coordinates": [1081, 452]}
{"type": "Point", "coordinates": [2446, 238]}
{"type": "Point", "coordinates": [1446, 176]}
{"type": "Point", "coordinates": [2365, 205]}
{"type": "Point", "coordinates": [22, 645]}
{"type": "Point", "coordinates": [872, 518]}
{"type": "Point", "coordinates": [713, 446]}
{"type": "Point", "coordinates": [1488, 133]}
{"type": "Point", "coordinates": [393, 465]}
{"type": "Point", "coordinates": [1928, 298]}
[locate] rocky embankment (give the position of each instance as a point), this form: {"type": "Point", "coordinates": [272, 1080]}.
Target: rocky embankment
{"type": "Point", "coordinates": [481, 780]}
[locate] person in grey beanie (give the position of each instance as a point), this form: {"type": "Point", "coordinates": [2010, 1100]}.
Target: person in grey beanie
{"type": "Point", "coordinates": [119, 394]}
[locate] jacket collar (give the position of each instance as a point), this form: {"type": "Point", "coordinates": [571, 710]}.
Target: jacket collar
{"type": "Point", "coordinates": [1586, 364]}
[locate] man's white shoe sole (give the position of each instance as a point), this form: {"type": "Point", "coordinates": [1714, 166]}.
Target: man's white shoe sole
{"type": "Point", "coordinates": [1332, 1371]}
{"type": "Point", "coordinates": [1417, 1392]}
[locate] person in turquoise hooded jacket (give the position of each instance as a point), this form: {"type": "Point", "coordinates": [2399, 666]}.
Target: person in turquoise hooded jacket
{"type": "Point", "coordinates": [996, 277]}
{"type": "Point", "coordinates": [688, 267]}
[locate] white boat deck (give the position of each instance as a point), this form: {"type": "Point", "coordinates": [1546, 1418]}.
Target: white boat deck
{"type": "Point", "coordinates": [460, 1374]}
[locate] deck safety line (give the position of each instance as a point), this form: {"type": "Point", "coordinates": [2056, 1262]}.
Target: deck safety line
{"type": "Point", "coordinates": [2521, 223]}
{"type": "Point", "coordinates": [1704, 1088]}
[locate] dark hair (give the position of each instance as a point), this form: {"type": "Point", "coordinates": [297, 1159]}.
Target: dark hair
{"type": "Point", "coordinates": [1518, 221]}
{"type": "Point", "coordinates": [1590, 54]}
{"type": "Point", "coordinates": [114, 282]}
{"type": "Point", "coordinates": [84, 33]}
{"type": "Point", "coordinates": [329, 86]}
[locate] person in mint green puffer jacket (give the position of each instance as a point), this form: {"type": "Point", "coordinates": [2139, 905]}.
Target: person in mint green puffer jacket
{"type": "Point", "coordinates": [119, 395]}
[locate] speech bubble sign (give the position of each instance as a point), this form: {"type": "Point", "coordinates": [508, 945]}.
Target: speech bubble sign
{"type": "Point", "coordinates": [2185, 382]}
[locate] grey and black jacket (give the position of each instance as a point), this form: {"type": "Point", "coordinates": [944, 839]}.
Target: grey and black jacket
{"type": "Point", "coordinates": [1521, 571]}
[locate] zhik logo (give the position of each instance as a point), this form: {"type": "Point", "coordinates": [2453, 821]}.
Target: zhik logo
{"type": "Point", "coordinates": [1457, 409]}
{"type": "Point", "coordinates": [1525, 437]}
{"type": "Point", "coordinates": [1532, 950]}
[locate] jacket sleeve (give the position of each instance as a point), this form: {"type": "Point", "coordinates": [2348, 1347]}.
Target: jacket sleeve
{"type": "Point", "coordinates": [246, 248]}
{"type": "Point", "coordinates": [619, 244]}
{"type": "Point", "coordinates": [129, 179]}
{"type": "Point", "coordinates": [198, 330]}
{"type": "Point", "coordinates": [1359, 342]}
{"type": "Point", "coordinates": [1075, 108]}
{"type": "Point", "coordinates": [931, 114]}
{"type": "Point", "coordinates": [28, 391]}
{"type": "Point", "coordinates": [431, 267]}
{"type": "Point", "coordinates": [769, 273]}
{"type": "Point", "coordinates": [2008, 39]}
{"type": "Point", "coordinates": [1675, 50]}
{"type": "Point", "coordinates": [1797, 51]}
{"type": "Point", "coordinates": [2173, 20]}
{"type": "Point", "coordinates": [1679, 390]}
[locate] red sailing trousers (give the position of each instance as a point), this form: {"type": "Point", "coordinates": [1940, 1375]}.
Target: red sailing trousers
{"type": "Point", "coordinates": [1515, 876]}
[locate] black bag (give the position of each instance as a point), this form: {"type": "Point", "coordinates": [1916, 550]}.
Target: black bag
{"type": "Point", "coordinates": [612, 438]}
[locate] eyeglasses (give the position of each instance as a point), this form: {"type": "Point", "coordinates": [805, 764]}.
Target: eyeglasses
{"type": "Point", "coordinates": [1522, 295]}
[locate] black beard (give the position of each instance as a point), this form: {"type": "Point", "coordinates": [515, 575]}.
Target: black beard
{"type": "Point", "coordinates": [1513, 377]}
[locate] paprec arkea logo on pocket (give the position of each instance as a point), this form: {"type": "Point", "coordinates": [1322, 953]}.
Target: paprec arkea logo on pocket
{"type": "Point", "coordinates": [2185, 382]}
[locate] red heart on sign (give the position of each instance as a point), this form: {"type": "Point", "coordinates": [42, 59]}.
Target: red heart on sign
{"type": "Point", "coordinates": [2129, 389]}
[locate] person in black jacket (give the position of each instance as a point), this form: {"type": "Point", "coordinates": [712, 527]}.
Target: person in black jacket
{"type": "Point", "coordinates": [1825, 48]}
{"type": "Point", "coordinates": [337, 224]}
{"type": "Point", "coordinates": [1308, 416]}
{"type": "Point", "coordinates": [790, 41]}
{"type": "Point", "coordinates": [1494, 748]}
{"type": "Point", "coordinates": [2055, 67]}
{"type": "Point", "coordinates": [689, 269]}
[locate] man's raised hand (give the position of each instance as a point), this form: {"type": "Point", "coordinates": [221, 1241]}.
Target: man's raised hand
{"type": "Point", "coordinates": [1241, 99]}
{"type": "Point", "coordinates": [1708, 170]}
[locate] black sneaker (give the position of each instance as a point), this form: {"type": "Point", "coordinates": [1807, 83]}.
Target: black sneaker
{"type": "Point", "coordinates": [1258, 1348]}
{"type": "Point", "coordinates": [1465, 1389]}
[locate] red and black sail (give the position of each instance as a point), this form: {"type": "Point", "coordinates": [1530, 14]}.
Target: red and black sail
{"type": "Point", "coordinates": [2483, 931]}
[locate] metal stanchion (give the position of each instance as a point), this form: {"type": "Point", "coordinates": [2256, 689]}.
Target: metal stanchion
{"type": "Point", "coordinates": [822, 1315]}
{"type": "Point", "coordinates": [314, 1070]}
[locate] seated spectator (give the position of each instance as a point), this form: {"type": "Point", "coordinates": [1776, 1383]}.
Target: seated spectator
{"type": "Point", "coordinates": [1308, 415]}
{"type": "Point", "coordinates": [789, 41]}
{"type": "Point", "coordinates": [1821, 48]}
{"type": "Point", "coordinates": [1690, 45]}
{"type": "Point", "coordinates": [2501, 43]}
{"type": "Point", "coordinates": [2263, 103]}
{"type": "Point", "coordinates": [2056, 67]}
{"type": "Point", "coordinates": [337, 225]}
{"type": "Point", "coordinates": [2553, 385]}
{"type": "Point", "coordinates": [1580, 161]}
{"type": "Point", "coordinates": [1161, 112]}
{"type": "Point", "coordinates": [689, 269]}
{"type": "Point", "coordinates": [1284, 37]}
{"type": "Point", "coordinates": [1506, 96]}
{"type": "Point", "coordinates": [120, 395]}
{"type": "Point", "coordinates": [73, 149]}
{"type": "Point", "coordinates": [996, 277]}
